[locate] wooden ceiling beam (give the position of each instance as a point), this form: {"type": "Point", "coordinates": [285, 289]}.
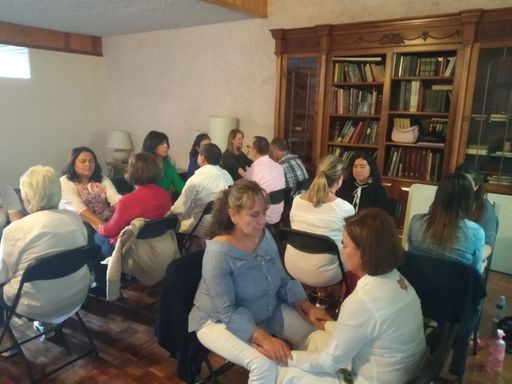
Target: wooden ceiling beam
{"type": "Point", "coordinates": [32, 37]}
{"type": "Point", "coordinates": [256, 8]}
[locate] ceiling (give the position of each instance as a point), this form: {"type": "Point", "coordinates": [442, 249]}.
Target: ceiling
{"type": "Point", "coordinates": [114, 17]}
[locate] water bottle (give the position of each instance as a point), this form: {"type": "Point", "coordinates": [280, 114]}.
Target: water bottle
{"type": "Point", "coordinates": [501, 307]}
{"type": "Point", "coordinates": [496, 354]}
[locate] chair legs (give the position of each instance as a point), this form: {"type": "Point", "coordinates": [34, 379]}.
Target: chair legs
{"type": "Point", "coordinates": [16, 345]}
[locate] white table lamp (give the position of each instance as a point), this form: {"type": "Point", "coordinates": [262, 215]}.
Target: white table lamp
{"type": "Point", "coordinates": [219, 127]}
{"type": "Point", "coordinates": [121, 144]}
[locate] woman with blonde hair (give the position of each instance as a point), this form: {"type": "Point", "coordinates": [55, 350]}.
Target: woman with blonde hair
{"type": "Point", "coordinates": [329, 212]}
{"type": "Point", "coordinates": [245, 298]}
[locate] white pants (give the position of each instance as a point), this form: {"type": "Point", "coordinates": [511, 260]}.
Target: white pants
{"type": "Point", "coordinates": [262, 370]}
{"type": "Point", "coordinates": [316, 342]}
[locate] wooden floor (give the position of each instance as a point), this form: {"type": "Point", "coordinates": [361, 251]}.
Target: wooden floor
{"type": "Point", "coordinates": [129, 352]}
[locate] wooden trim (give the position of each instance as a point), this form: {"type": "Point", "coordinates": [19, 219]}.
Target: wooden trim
{"type": "Point", "coordinates": [32, 37]}
{"type": "Point", "coordinates": [256, 8]}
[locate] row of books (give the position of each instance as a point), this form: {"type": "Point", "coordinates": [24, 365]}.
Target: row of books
{"type": "Point", "coordinates": [358, 72]}
{"type": "Point", "coordinates": [415, 97]}
{"type": "Point", "coordinates": [356, 132]}
{"type": "Point", "coordinates": [415, 163]}
{"type": "Point", "coordinates": [417, 66]}
{"type": "Point", "coordinates": [432, 125]}
{"type": "Point", "coordinates": [356, 101]}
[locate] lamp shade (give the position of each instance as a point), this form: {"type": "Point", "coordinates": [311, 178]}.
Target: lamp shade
{"type": "Point", "coordinates": [219, 128]}
{"type": "Point", "coordinates": [120, 140]}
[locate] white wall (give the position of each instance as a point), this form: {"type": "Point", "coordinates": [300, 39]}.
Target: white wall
{"type": "Point", "coordinates": [173, 80]}
{"type": "Point", "coordinates": [42, 118]}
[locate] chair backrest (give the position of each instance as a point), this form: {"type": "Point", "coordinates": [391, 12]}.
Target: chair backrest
{"type": "Point", "coordinates": [277, 196]}
{"type": "Point", "coordinates": [449, 290]}
{"type": "Point", "coordinates": [206, 211]}
{"type": "Point", "coordinates": [439, 342]}
{"type": "Point", "coordinates": [394, 207]}
{"type": "Point", "coordinates": [313, 243]}
{"type": "Point", "coordinates": [56, 266]}
{"type": "Point", "coordinates": [156, 228]}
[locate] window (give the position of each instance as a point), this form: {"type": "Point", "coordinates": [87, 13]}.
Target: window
{"type": "Point", "coordinates": [14, 62]}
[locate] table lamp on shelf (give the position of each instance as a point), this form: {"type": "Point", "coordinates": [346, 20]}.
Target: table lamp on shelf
{"type": "Point", "coordinates": [121, 144]}
{"type": "Point", "coordinates": [219, 127]}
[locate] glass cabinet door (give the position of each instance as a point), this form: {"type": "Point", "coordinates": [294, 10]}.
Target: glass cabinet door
{"type": "Point", "coordinates": [489, 142]}
{"type": "Point", "coordinates": [300, 114]}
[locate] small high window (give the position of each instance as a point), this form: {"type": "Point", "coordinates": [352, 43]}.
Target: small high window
{"type": "Point", "coordinates": [14, 62]}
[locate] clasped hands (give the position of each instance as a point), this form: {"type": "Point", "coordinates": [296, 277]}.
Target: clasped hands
{"type": "Point", "coordinates": [277, 349]}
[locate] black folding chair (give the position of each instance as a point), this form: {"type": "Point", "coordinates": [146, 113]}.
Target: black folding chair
{"type": "Point", "coordinates": [450, 292]}
{"type": "Point", "coordinates": [50, 268]}
{"type": "Point", "coordinates": [186, 239]}
{"type": "Point", "coordinates": [314, 244]}
{"type": "Point", "coordinates": [177, 299]}
{"type": "Point", "coordinates": [439, 343]}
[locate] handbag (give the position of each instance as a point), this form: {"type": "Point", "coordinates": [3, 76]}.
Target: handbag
{"type": "Point", "coordinates": [405, 135]}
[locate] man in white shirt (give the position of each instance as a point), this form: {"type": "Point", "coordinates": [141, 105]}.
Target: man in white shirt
{"type": "Point", "coordinates": [267, 173]}
{"type": "Point", "coordinates": [202, 187]}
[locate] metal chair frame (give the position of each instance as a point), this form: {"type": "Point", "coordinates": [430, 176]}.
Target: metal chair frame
{"type": "Point", "coordinates": [50, 268]}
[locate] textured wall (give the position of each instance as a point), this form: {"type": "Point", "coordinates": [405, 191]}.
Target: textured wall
{"type": "Point", "coordinates": [44, 117]}
{"type": "Point", "coordinates": [173, 80]}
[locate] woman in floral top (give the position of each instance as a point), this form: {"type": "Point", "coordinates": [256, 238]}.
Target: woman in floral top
{"type": "Point", "coordinates": [86, 190]}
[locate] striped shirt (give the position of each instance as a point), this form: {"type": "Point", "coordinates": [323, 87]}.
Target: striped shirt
{"type": "Point", "coordinates": [294, 173]}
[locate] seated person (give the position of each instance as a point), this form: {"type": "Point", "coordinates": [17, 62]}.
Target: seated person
{"type": "Point", "coordinates": [10, 208]}
{"type": "Point", "coordinates": [446, 231]}
{"type": "Point", "coordinates": [200, 141]}
{"type": "Point", "coordinates": [267, 173]}
{"type": "Point", "coordinates": [362, 187]}
{"type": "Point", "coordinates": [86, 191]}
{"type": "Point", "coordinates": [44, 231]}
{"type": "Point", "coordinates": [147, 201]}
{"type": "Point", "coordinates": [204, 186]}
{"type": "Point", "coordinates": [234, 160]}
{"type": "Point", "coordinates": [245, 295]}
{"type": "Point", "coordinates": [378, 336]}
{"type": "Point", "coordinates": [157, 143]}
{"type": "Point", "coordinates": [483, 212]}
{"type": "Point", "coordinates": [295, 172]}
{"type": "Point", "coordinates": [329, 213]}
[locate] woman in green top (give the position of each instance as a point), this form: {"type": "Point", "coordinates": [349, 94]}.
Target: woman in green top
{"type": "Point", "coordinates": [157, 143]}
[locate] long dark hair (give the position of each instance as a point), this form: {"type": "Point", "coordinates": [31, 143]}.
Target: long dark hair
{"type": "Point", "coordinates": [368, 157]}
{"type": "Point", "coordinates": [242, 194]}
{"type": "Point", "coordinates": [69, 169]}
{"type": "Point", "coordinates": [152, 140]}
{"type": "Point", "coordinates": [194, 152]}
{"type": "Point", "coordinates": [452, 203]}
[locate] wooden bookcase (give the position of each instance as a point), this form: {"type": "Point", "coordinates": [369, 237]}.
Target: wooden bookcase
{"type": "Point", "coordinates": [373, 77]}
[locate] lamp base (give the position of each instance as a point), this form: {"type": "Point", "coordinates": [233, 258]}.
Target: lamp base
{"type": "Point", "coordinates": [120, 155]}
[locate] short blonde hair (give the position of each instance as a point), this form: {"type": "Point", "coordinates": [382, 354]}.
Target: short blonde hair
{"type": "Point", "coordinates": [40, 189]}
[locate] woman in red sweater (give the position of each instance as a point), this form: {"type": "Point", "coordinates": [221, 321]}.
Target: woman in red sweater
{"type": "Point", "coordinates": [148, 200]}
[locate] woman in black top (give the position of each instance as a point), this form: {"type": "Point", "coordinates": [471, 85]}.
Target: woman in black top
{"type": "Point", "coordinates": [362, 187]}
{"type": "Point", "coordinates": [233, 159]}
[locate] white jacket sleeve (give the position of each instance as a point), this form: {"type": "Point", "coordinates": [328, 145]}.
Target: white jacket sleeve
{"type": "Point", "coordinates": [111, 191]}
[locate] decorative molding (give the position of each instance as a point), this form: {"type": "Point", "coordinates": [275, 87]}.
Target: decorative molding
{"type": "Point", "coordinates": [41, 38]}
{"type": "Point", "coordinates": [398, 38]}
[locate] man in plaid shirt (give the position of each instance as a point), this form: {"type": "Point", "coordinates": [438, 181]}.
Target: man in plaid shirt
{"type": "Point", "coordinates": [295, 173]}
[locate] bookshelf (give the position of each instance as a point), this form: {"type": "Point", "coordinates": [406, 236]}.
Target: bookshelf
{"type": "Point", "coordinates": [355, 104]}
{"type": "Point", "coordinates": [421, 94]}
{"type": "Point", "coordinates": [489, 131]}
{"type": "Point", "coordinates": [375, 76]}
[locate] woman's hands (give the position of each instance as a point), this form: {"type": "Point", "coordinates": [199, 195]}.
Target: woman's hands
{"type": "Point", "coordinates": [312, 313]}
{"type": "Point", "coordinates": [271, 347]}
